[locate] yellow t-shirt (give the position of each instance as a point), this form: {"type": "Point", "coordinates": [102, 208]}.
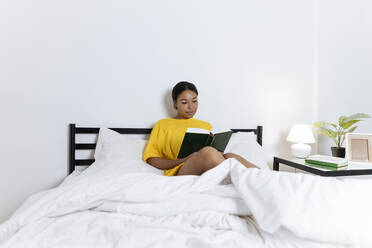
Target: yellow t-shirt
{"type": "Point", "coordinates": [166, 139]}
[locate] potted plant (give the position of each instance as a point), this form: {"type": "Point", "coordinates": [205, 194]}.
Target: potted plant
{"type": "Point", "coordinates": [337, 132]}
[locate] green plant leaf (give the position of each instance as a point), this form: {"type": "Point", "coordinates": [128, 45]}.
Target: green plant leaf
{"type": "Point", "coordinates": [348, 124]}
{"type": "Point", "coordinates": [350, 130]}
{"type": "Point", "coordinates": [333, 133]}
{"type": "Point", "coordinates": [320, 124]}
{"type": "Point", "coordinates": [323, 132]}
{"type": "Point", "coordinates": [327, 132]}
{"type": "Point", "coordinates": [357, 116]}
{"type": "Point", "coordinates": [341, 120]}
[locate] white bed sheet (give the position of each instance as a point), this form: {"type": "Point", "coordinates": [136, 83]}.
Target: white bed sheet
{"type": "Point", "coordinates": [105, 206]}
{"type": "Point", "coordinates": [100, 229]}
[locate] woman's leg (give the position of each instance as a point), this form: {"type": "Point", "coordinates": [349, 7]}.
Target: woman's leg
{"type": "Point", "coordinates": [240, 159]}
{"type": "Point", "coordinates": [203, 160]}
{"type": "Point", "coordinates": [206, 159]}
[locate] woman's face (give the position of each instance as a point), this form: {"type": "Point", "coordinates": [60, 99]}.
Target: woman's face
{"type": "Point", "coordinates": [186, 104]}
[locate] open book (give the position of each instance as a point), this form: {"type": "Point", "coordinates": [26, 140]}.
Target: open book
{"type": "Point", "coordinates": [196, 138]}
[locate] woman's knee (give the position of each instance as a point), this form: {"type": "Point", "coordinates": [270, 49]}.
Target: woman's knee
{"type": "Point", "coordinates": [211, 157]}
{"type": "Point", "coordinates": [209, 151]}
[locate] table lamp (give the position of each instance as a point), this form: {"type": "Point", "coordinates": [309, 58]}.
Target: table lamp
{"type": "Point", "coordinates": [301, 134]}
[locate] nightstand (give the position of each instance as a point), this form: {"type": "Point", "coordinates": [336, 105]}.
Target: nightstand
{"type": "Point", "coordinates": [353, 168]}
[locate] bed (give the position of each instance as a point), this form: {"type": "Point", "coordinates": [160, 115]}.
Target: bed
{"type": "Point", "coordinates": [120, 201]}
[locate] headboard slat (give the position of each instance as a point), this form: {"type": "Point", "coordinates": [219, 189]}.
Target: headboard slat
{"type": "Point", "coordinates": [83, 146]}
{"type": "Point", "coordinates": [71, 166]}
{"type": "Point", "coordinates": [86, 130]}
{"type": "Point", "coordinates": [84, 161]}
{"type": "Point", "coordinates": [93, 130]}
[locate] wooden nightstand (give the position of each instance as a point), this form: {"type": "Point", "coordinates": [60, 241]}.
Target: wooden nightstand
{"type": "Point", "coordinates": [353, 169]}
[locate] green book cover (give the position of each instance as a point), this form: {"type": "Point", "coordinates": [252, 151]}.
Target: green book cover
{"type": "Point", "coordinates": [195, 139]}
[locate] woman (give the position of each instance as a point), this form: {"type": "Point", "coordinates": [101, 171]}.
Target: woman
{"type": "Point", "coordinates": [167, 136]}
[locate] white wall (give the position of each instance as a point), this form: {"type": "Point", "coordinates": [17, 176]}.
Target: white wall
{"type": "Point", "coordinates": [113, 63]}
{"type": "Point", "coordinates": [345, 62]}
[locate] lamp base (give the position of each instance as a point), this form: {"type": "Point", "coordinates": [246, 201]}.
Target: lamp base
{"type": "Point", "coordinates": [300, 150]}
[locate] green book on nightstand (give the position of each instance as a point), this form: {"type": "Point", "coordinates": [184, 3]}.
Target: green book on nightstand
{"type": "Point", "coordinates": [327, 167]}
{"type": "Point", "coordinates": [196, 138]}
{"type": "Point", "coordinates": [328, 161]}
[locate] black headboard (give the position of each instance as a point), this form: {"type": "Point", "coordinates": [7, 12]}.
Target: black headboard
{"type": "Point", "coordinates": [91, 146]}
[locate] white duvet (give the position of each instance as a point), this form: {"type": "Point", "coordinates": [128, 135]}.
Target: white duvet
{"type": "Point", "coordinates": [107, 206]}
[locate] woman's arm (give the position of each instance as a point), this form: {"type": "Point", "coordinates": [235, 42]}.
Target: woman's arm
{"type": "Point", "coordinates": [165, 164]}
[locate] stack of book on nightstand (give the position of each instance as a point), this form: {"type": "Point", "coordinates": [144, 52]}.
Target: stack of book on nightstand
{"type": "Point", "coordinates": [326, 161]}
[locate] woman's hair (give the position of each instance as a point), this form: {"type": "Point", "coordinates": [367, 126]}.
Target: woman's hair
{"type": "Point", "coordinates": [181, 87]}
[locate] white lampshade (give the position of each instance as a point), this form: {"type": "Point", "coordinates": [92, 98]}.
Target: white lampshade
{"type": "Point", "coordinates": [301, 133]}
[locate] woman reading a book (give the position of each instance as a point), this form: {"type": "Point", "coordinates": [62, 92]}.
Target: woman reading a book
{"type": "Point", "coordinates": [167, 136]}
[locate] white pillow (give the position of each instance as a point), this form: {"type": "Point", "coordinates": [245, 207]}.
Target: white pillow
{"type": "Point", "coordinates": [245, 144]}
{"type": "Point", "coordinates": [113, 147]}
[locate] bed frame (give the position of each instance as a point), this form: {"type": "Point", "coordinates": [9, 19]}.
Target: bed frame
{"type": "Point", "coordinates": [91, 146]}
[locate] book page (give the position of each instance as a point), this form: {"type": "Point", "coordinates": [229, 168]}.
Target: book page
{"type": "Point", "coordinates": [220, 130]}
{"type": "Point", "coordinates": [197, 130]}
